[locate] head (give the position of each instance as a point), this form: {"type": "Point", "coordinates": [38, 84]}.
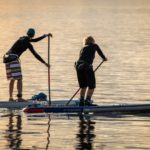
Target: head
{"type": "Point", "coordinates": [88, 40]}
{"type": "Point", "coordinates": [31, 32]}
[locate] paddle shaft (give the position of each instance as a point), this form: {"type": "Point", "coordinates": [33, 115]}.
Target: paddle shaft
{"type": "Point", "coordinates": [79, 88]}
{"type": "Point", "coordinates": [49, 90]}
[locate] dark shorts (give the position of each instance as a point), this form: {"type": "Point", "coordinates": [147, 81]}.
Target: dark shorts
{"type": "Point", "coordinates": [86, 78]}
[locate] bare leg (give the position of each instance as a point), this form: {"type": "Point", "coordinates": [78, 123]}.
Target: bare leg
{"type": "Point", "coordinates": [82, 96]}
{"type": "Point", "coordinates": [19, 87]}
{"type": "Point", "coordinates": [88, 100]}
{"type": "Point", "coordinates": [82, 92]}
{"type": "Point", "coordinates": [90, 93]}
{"type": "Point", "coordinates": [11, 89]}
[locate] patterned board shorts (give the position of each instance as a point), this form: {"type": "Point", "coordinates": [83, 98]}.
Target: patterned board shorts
{"type": "Point", "coordinates": [13, 70]}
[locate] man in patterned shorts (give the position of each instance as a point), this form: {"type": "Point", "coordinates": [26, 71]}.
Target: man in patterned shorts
{"type": "Point", "coordinates": [13, 66]}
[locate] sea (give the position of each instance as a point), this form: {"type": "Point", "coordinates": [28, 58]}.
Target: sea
{"type": "Point", "coordinates": [122, 30]}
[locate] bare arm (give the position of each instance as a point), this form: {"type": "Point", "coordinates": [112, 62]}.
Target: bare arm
{"type": "Point", "coordinates": [100, 53]}
{"type": "Point", "coordinates": [40, 38]}
{"type": "Point", "coordinates": [37, 39]}
{"type": "Point", "coordinates": [36, 55]}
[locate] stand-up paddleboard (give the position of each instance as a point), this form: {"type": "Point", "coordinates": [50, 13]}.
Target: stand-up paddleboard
{"type": "Point", "coordinates": [58, 106]}
{"type": "Point", "coordinates": [20, 105]}
{"type": "Point", "coordinates": [37, 108]}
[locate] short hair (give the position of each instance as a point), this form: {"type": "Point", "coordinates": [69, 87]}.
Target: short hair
{"type": "Point", "coordinates": [31, 32]}
{"type": "Point", "coordinates": [88, 40]}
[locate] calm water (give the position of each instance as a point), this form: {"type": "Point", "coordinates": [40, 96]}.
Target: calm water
{"type": "Point", "coordinates": [121, 28]}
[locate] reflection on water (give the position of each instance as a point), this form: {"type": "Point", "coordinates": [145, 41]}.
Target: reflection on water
{"type": "Point", "coordinates": [14, 131]}
{"type": "Point", "coordinates": [48, 133]}
{"type": "Point", "coordinates": [86, 135]}
{"type": "Point", "coordinates": [86, 132]}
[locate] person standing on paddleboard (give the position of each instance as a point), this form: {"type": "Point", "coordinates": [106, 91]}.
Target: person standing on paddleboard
{"type": "Point", "coordinates": [12, 62]}
{"type": "Point", "coordinates": [84, 69]}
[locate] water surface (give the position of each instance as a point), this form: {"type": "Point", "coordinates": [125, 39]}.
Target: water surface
{"type": "Point", "coordinates": [121, 28]}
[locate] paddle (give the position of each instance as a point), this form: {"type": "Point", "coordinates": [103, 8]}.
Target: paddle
{"type": "Point", "coordinates": [49, 90]}
{"type": "Point", "coordinates": [79, 88]}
